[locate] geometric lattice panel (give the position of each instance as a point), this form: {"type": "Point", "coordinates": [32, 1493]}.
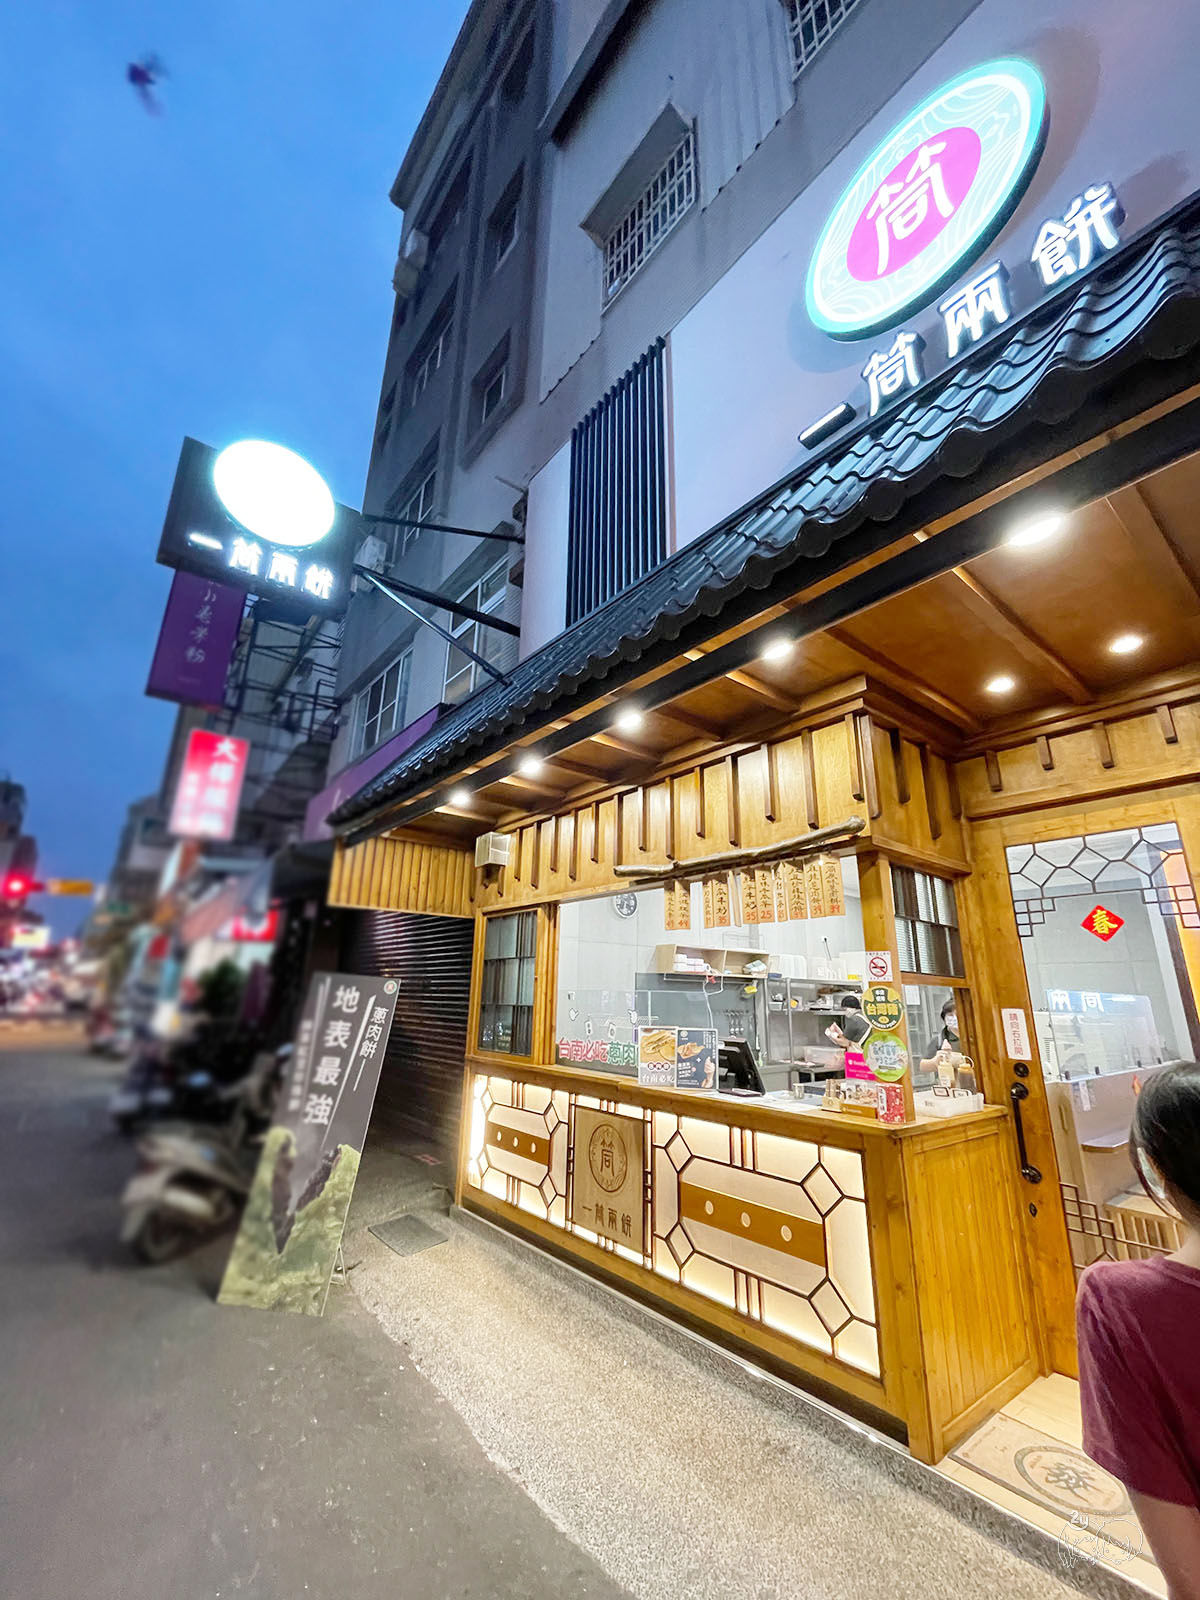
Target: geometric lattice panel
{"type": "Point", "coordinates": [1147, 860]}
{"type": "Point", "coordinates": [772, 1227]}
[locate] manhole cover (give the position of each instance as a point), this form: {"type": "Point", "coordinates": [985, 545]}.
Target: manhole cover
{"type": "Point", "coordinates": [407, 1235]}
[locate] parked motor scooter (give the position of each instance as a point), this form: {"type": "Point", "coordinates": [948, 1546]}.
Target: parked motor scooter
{"type": "Point", "coordinates": [190, 1182]}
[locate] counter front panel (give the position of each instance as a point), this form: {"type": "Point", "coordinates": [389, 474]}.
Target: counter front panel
{"type": "Point", "coordinates": [774, 1228]}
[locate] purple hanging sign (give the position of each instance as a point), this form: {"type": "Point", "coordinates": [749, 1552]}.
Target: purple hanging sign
{"type": "Point", "coordinates": [196, 641]}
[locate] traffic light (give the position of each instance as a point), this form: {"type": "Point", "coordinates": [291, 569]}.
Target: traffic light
{"type": "Point", "coordinates": [18, 885]}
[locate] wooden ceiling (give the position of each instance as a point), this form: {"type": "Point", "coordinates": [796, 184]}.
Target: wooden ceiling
{"type": "Point", "coordinates": [1044, 616]}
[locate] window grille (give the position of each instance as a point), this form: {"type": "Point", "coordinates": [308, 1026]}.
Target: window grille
{"type": "Point", "coordinates": [812, 23]}
{"type": "Point", "coordinates": [648, 222]}
{"type": "Point", "coordinates": [617, 520]}
{"type": "Point", "coordinates": [927, 936]}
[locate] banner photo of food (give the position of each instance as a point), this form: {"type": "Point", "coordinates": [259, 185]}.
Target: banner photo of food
{"type": "Point", "coordinates": [677, 1058]}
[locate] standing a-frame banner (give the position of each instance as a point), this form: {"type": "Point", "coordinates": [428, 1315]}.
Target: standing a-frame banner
{"type": "Point", "coordinates": [291, 1230]}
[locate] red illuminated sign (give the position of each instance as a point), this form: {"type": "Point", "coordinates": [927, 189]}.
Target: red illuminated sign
{"type": "Point", "coordinates": [1103, 923]}
{"type": "Point", "coordinates": [210, 786]}
{"type": "Point", "coordinates": [247, 929]}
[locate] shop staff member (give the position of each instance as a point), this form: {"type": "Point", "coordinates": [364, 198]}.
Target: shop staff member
{"type": "Point", "coordinates": [854, 1028]}
{"type": "Point", "coordinates": [947, 1038]}
{"type": "Point", "coordinates": [1139, 1379]}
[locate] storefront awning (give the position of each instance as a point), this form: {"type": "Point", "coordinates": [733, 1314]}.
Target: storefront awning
{"type": "Point", "coordinates": [1141, 310]}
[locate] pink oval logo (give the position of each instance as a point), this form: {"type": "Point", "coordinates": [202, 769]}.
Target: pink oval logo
{"type": "Point", "coordinates": [913, 204]}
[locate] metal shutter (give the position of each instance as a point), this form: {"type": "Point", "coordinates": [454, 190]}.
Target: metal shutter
{"type": "Point", "coordinates": [420, 1087]}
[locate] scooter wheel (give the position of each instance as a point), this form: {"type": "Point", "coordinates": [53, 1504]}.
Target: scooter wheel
{"type": "Point", "coordinates": [158, 1239]}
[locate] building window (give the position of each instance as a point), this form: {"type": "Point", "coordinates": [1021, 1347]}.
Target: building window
{"type": "Point", "coordinates": [381, 705]}
{"type": "Point", "coordinates": [504, 226]}
{"type": "Point", "coordinates": [617, 520]}
{"type": "Point", "coordinates": [810, 24]}
{"type": "Point", "coordinates": [464, 676]}
{"type": "Point", "coordinates": [430, 357]}
{"type": "Point", "coordinates": [385, 416]}
{"type": "Point", "coordinates": [450, 212]}
{"type": "Point", "coordinates": [492, 395]}
{"type": "Point", "coordinates": [489, 388]}
{"type": "Point", "coordinates": [506, 995]}
{"type": "Point", "coordinates": [652, 216]}
{"type": "Point", "coordinates": [516, 79]}
{"type": "Point", "coordinates": [927, 936]}
{"type": "Point", "coordinates": [418, 507]}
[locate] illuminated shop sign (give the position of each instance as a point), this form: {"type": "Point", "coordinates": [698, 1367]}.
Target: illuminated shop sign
{"type": "Point", "coordinates": [930, 198]}
{"type": "Point", "coordinates": [927, 199]}
{"type": "Point", "coordinates": [258, 517]}
{"type": "Point", "coordinates": [209, 790]}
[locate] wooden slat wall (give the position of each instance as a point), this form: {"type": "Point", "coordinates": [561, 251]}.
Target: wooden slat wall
{"type": "Point", "coordinates": [404, 875]}
{"type": "Point", "coordinates": [815, 778]}
{"type": "Point", "coordinates": [1090, 756]}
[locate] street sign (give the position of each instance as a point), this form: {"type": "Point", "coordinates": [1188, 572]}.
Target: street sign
{"type": "Point", "coordinates": [70, 886]}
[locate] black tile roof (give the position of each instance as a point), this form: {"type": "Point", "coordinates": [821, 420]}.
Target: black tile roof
{"type": "Point", "coordinates": [1143, 304]}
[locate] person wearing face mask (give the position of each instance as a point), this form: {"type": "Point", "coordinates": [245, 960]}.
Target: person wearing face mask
{"type": "Point", "coordinates": [947, 1036]}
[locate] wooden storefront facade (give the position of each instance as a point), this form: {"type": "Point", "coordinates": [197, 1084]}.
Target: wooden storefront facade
{"type": "Point", "coordinates": [946, 698]}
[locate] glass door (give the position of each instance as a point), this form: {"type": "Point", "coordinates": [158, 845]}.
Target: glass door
{"type": "Point", "coordinates": [1110, 934]}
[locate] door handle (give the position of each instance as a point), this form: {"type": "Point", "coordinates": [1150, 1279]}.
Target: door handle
{"type": "Point", "coordinates": [1017, 1094]}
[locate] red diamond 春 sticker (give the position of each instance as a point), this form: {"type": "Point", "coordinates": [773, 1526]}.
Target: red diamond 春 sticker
{"type": "Point", "coordinates": [1103, 923]}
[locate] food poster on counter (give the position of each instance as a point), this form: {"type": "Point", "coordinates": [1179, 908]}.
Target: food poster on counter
{"type": "Point", "coordinates": [291, 1229]}
{"type": "Point", "coordinates": [886, 1050]}
{"type": "Point", "coordinates": [608, 1181]}
{"type": "Point", "coordinates": [696, 1058]}
{"type": "Point", "coordinates": [657, 1051]}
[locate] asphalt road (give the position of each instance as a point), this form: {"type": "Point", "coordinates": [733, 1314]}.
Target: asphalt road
{"type": "Point", "coordinates": [155, 1444]}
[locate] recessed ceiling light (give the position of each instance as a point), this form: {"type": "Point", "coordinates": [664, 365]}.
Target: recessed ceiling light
{"type": "Point", "coordinates": [1036, 530]}
{"type": "Point", "coordinates": [1001, 684]}
{"type": "Point", "coordinates": [629, 721]}
{"type": "Point", "coordinates": [530, 766]}
{"type": "Point", "coordinates": [1126, 643]}
{"type": "Point", "coordinates": [460, 797]}
{"type": "Point", "coordinates": [777, 649]}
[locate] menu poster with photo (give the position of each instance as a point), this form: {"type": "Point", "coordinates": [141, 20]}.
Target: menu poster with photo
{"type": "Point", "coordinates": [656, 1056]}
{"type": "Point", "coordinates": [696, 1059]}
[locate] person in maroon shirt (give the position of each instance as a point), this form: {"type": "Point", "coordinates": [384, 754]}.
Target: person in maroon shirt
{"type": "Point", "coordinates": [1139, 1341]}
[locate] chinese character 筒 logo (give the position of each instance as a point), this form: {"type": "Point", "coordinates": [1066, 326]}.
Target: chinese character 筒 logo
{"type": "Point", "coordinates": [888, 373]}
{"type": "Point", "coordinates": [1103, 923]}
{"type": "Point", "coordinates": [909, 210]}
{"type": "Point", "coordinates": [923, 204]}
{"type": "Point", "coordinates": [607, 1158]}
{"type": "Point", "coordinates": [1068, 245]}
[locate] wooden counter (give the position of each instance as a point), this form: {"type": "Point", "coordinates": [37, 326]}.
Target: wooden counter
{"type": "Point", "coordinates": [881, 1262]}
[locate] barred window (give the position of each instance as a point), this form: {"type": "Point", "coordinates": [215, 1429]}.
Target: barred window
{"type": "Point", "coordinates": [652, 216]}
{"type": "Point", "coordinates": [927, 936]}
{"type": "Point", "coordinates": [812, 23]}
{"type": "Point", "coordinates": [381, 705]}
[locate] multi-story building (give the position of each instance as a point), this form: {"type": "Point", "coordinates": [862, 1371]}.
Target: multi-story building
{"type": "Point", "coordinates": [455, 395]}
{"type": "Point", "coordinates": [858, 654]}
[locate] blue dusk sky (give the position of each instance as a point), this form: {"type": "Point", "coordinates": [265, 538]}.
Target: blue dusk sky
{"type": "Point", "coordinates": [221, 270]}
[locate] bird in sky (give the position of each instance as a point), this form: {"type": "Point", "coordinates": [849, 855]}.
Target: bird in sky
{"type": "Point", "coordinates": [145, 76]}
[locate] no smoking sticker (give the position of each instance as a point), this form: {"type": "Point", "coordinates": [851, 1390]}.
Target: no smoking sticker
{"type": "Point", "coordinates": [879, 966]}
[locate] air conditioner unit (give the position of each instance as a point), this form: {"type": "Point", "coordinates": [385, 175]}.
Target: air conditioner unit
{"type": "Point", "coordinates": [372, 553]}
{"type": "Point", "coordinates": [493, 849]}
{"type": "Point", "coordinates": [414, 252]}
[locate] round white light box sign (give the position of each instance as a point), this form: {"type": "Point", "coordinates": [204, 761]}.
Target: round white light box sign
{"type": "Point", "coordinates": [929, 198]}
{"type": "Point", "coordinates": [274, 493]}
